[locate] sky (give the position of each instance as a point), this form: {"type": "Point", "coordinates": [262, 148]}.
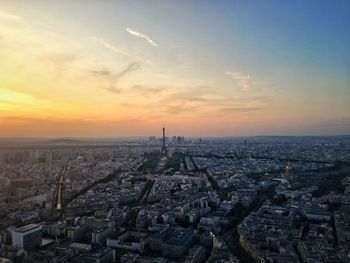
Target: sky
{"type": "Point", "coordinates": [99, 68]}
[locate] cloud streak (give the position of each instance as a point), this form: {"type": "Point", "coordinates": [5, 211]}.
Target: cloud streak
{"type": "Point", "coordinates": [109, 46]}
{"type": "Point", "coordinates": [138, 34]}
{"type": "Point", "coordinates": [58, 62]}
{"type": "Point", "coordinates": [105, 72]}
{"type": "Point", "coordinates": [239, 109]}
{"type": "Point", "coordinates": [243, 80]}
{"type": "Point", "coordinates": [185, 102]}
{"type": "Point", "coordinates": [130, 68]}
{"type": "Point", "coordinates": [10, 17]}
{"type": "Point", "coordinates": [113, 78]}
{"type": "Point", "coordinates": [62, 127]}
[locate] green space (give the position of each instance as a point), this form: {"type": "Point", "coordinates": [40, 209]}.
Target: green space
{"type": "Point", "coordinates": [174, 162]}
{"type": "Point", "coordinates": [131, 217]}
{"type": "Point", "coordinates": [326, 179]}
{"type": "Point", "coordinates": [146, 191]}
{"type": "Point", "coordinates": [223, 192]}
{"type": "Point", "coordinates": [104, 180]}
{"type": "Point", "coordinates": [150, 163]}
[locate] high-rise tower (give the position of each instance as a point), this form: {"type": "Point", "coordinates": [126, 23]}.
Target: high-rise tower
{"type": "Point", "coordinates": [164, 151]}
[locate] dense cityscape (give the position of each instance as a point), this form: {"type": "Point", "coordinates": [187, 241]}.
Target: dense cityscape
{"type": "Point", "coordinates": [176, 199]}
{"type": "Point", "coordinates": [169, 131]}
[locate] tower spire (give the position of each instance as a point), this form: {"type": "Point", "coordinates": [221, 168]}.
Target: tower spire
{"type": "Point", "coordinates": [163, 151]}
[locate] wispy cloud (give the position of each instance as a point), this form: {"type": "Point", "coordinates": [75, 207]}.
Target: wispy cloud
{"type": "Point", "coordinates": [10, 17]}
{"type": "Point", "coordinates": [11, 99]}
{"type": "Point", "coordinates": [58, 62]}
{"type": "Point", "coordinates": [136, 33]}
{"type": "Point", "coordinates": [243, 80]}
{"type": "Point", "coordinates": [113, 78]}
{"type": "Point", "coordinates": [108, 73]}
{"type": "Point", "coordinates": [190, 102]}
{"type": "Point", "coordinates": [113, 89]}
{"type": "Point", "coordinates": [130, 68]}
{"type": "Point", "coordinates": [239, 109]}
{"type": "Point", "coordinates": [102, 72]}
{"type": "Point", "coordinates": [336, 122]}
{"type": "Point", "coordinates": [145, 90]}
{"type": "Point", "coordinates": [66, 127]}
{"type": "Point", "coordinates": [109, 46]}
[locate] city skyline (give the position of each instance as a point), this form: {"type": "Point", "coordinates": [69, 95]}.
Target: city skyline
{"type": "Point", "coordinates": [126, 68]}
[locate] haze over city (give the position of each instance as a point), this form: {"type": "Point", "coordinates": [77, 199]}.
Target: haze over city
{"type": "Point", "coordinates": [207, 68]}
{"type": "Point", "coordinates": [194, 131]}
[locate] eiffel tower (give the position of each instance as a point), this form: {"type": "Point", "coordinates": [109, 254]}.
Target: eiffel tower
{"type": "Point", "coordinates": [164, 150]}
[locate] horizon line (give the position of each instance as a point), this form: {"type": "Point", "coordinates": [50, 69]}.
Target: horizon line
{"type": "Point", "coordinates": [146, 136]}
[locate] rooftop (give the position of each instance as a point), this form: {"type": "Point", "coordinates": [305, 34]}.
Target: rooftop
{"type": "Point", "coordinates": [27, 228]}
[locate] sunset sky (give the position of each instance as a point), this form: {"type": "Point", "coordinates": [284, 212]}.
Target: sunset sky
{"type": "Point", "coordinates": [98, 68]}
